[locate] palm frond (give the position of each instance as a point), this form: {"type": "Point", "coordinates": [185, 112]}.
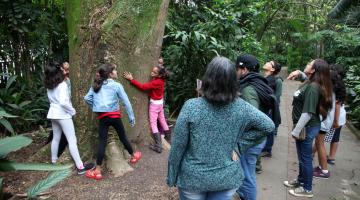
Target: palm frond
{"type": "Point", "coordinates": [353, 18]}
{"type": "Point", "coordinates": [14, 143]}
{"type": "Point", "coordinates": [341, 7]}
{"type": "Point", "coordinates": [47, 183]}
{"type": "Point", "coordinates": [6, 165]}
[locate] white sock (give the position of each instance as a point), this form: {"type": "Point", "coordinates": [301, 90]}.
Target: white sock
{"type": "Point", "coordinates": [325, 171]}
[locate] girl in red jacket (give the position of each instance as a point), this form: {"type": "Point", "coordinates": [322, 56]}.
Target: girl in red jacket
{"type": "Point", "coordinates": [155, 89]}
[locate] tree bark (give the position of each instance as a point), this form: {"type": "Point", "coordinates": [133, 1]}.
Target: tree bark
{"type": "Point", "coordinates": [126, 33]}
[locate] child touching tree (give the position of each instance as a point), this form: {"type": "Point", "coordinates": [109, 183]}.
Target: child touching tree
{"type": "Point", "coordinates": [103, 98]}
{"type": "Point", "coordinates": [155, 88]}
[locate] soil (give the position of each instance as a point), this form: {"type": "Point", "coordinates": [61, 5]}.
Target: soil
{"type": "Point", "coordinates": [147, 181]}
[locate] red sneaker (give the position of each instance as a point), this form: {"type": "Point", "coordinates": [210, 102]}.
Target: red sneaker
{"type": "Point", "coordinates": [136, 157]}
{"type": "Point", "coordinates": [93, 174]}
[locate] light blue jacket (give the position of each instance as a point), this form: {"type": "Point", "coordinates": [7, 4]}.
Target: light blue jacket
{"type": "Point", "coordinates": [108, 97]}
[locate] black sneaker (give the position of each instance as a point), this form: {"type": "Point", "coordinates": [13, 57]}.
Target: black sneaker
{"type": "Point", "coordinates": [87, 166]}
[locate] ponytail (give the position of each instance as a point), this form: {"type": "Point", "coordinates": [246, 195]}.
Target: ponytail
{"type": "Point", "coordinates": [102, 75]}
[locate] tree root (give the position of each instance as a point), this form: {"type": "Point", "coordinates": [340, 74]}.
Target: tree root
{"type": "Point", "coordinates": [116, 162]}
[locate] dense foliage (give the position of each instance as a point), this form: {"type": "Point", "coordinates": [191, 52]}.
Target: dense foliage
{"type": "Point", "coordinates": [31, 33]}
{"type": "Point", "coordinates": [195, 34]}
{"type": "Point", "coordinates": [292, 32]}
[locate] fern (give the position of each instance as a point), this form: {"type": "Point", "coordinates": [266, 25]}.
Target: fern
{"type": "Point", "coordinates": [10, 144]}
{"type": "Point", "coordinates": [47, 183]}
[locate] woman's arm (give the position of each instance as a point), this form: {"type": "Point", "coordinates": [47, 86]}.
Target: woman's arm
{"type": "Point", "coordinates": [178, 144]}
{"type": "Point", "coordinates": [256, 129]}
{"type": "Point", "coordinates": [304, 119]}
{"type": "Point", "coordinates": [336, 115]}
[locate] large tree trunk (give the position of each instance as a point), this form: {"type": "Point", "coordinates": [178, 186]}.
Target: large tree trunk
{"type": "Point", "coordinates": [127, 33]}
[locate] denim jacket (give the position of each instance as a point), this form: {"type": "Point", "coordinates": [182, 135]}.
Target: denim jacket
{"type": "Point", "coordinates": [107, 99]}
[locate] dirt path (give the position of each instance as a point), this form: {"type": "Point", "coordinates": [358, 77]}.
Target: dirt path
{"type": "Point", "coordinates": [147, 181]}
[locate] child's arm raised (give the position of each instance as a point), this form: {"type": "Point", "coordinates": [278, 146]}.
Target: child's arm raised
{"type": "Point", "coordinates": [146, 86]}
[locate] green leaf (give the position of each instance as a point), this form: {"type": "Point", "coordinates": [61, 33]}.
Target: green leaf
{"type": "Point", "coordinates": [10, 81]}
{"type": "Point", "coordinates": [6, 165]}
{"type": "Point", "coordinates": [3, 113]}
{"type": "Point", "coordinates": [47, 183]}
{"type": "Point", "coordinates": [24, 103]}
{"type": "Point", "coordinates": [7, 125]}
{"type": "Point", "coordinates": [12, 105]}
{"type": "Point", "coordinates": [14, 143]}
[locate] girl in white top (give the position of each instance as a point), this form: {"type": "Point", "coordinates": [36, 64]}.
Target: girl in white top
{"type": "Point", "coordinates": [61, 112]}
{"type": "Point", "coordinates": [340, 112]}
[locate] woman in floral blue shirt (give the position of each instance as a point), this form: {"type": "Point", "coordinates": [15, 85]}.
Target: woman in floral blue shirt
{"type": "Point", "coordinates": [207, 131]}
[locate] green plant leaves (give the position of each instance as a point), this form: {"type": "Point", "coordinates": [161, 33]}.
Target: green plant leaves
{"type": "Point", "coordinates": [50, 181]}
{"type": "Point", "coordinates": [6, 165]}
{"type": "Point", "coordinates": [10, 81]}
{"type": "Point", "coordinates": [10, 144]}
{"type": "Point", "coordinates": [7, 125]}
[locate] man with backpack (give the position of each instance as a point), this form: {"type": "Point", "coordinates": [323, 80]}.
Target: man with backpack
{"type": "Point", "coordinates": [253, 89]}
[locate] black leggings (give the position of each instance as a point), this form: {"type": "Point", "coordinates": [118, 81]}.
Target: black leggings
{"type": "Point", "coordinates": [104, 125]}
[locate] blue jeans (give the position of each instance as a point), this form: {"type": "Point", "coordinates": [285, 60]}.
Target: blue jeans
{"type": "Point", "coordinates": [247, 190]}
{"type": "Point", "coordinates": [270, 141]}
{"type": "Point", "coordinates": [214, 195]}
{"type": "Point", "coordinates": [304, 153]}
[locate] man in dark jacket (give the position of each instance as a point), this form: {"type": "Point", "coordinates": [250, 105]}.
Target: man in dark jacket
{"type": "Point", "coordinates": [255, 90]}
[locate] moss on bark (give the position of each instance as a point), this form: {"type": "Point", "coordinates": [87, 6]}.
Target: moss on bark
{"type": "Point", "coordinates": [126, 33]}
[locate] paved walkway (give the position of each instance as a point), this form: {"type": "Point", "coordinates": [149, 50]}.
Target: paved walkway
{"type": "Point", "coordinates": [344, 182]}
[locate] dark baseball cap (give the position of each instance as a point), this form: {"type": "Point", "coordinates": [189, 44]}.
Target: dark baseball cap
{"type": "Point", "coordinates": [248, 61]}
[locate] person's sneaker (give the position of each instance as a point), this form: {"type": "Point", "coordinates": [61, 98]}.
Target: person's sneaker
{"type": "Point", "coordinates": [292, 183]}
{"type": "Point", "coordinates": [331, 161]}
{"type": "Point", "coordinates": [321, 175]}
{"type": "Point", "coordinates": [301, 192]}
{"type": "Point", "coordinates": [258, 169]}
{"type": "Point", "coordinates": [265, 154]}
{"type": "Point", "coordinates": [316, 169]}
{"type": "Point", "coordinates": [87, 166]}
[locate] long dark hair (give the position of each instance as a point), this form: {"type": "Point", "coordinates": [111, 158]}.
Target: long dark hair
{"type": "Point", "coordinates": [102, 75]}
{"type": "Point", "coordinates": [338, 86]}
{"type": "Point", "coordinates": [163, 72]}
{"type": "Point", "coordinates": [339, 69]}
{"type": "Point", "coordinates": [321, 76]}
{"type": "Point", "coordinates": [53, 75]}
{"type": "Point", "coordinates": [219, 81]}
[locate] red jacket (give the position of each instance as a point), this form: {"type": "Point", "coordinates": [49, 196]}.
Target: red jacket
{"type": "Point", "coordinates": [155, 87]}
